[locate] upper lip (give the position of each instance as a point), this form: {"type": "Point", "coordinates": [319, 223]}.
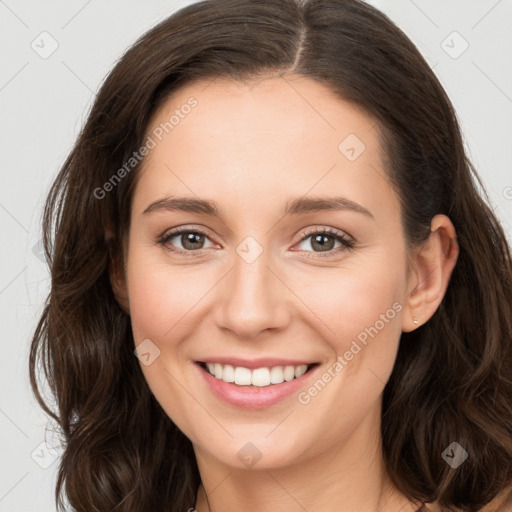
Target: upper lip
{"type": "Point", "coordinates": [260, 362]}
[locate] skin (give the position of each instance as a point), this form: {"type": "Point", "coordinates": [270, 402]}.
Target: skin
{"type": "Point", "coordinates": [251, 147]}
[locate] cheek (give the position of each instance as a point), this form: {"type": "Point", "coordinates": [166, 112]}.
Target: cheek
{"type": "Point", "coordinates": [161, 295]}
{"type": "Point", "coordinates": [359, 303]}
{"type": "Point", "coordinates": [362, 309]}
{"type": "Point", "coordinates": [160, 298]}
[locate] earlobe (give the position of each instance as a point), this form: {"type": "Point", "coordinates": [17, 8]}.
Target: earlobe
{"type": "Point", "coordinates": [432, 266]}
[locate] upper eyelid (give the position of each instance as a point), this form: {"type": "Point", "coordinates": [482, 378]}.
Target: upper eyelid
{"type": "Point", "coordinates": [327, 230]}
{"type": "Point", "coordinates": [178, 231]}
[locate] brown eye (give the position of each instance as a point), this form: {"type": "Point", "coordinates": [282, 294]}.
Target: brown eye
{"type": "Point", "coordinates": [192, 241]}
{"type": "Point", "coordinates": [324, 241]}
{"type": "Point", "coordinates": [183, 241]}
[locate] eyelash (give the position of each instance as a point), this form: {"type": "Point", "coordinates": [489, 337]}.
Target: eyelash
{"type": "Point", "coordinates": [347, 243]}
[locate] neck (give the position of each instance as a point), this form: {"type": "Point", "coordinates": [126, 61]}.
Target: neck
{"type": "Point", "coordinates": [347, 477]}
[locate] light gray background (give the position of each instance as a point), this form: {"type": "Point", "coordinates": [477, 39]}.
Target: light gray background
{"type": "Point", "coordinates": [45, 100]}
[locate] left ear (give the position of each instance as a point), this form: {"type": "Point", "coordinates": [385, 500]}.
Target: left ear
{"type": "Point", "coordinates": [116, 272]}
{"type": "Point", "coordinates": [432, 265]}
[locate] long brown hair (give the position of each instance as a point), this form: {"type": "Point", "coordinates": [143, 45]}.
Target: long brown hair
{"type": "Point", "coordinates": [452, 377]}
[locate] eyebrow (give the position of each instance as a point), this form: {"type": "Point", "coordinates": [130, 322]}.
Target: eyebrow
{"type": "Point", "coordinates": [296, 206]}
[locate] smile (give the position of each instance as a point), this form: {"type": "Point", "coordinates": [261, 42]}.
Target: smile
{"type": "Point", "coordinates": [260, 377]}
{"type": "Point", "coordinates": [255, 384]}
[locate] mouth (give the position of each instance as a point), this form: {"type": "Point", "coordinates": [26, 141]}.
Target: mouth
{"type": "Point", "coordinates": [261, 377]}
{"type": "Point", "coordinates": [257, 385]}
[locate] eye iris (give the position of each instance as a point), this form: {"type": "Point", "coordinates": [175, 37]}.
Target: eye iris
{"type": "Point", "coordinates": [321, 239]}
{"type": "Point", "coordinates": [192, 238]}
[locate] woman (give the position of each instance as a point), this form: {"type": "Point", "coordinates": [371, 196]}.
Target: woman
{"type": "Point", "coordinates": [271, 207]}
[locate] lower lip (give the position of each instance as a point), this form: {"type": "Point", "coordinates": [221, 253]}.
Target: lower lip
{"type": "Point", "coordinates": [253, 397]}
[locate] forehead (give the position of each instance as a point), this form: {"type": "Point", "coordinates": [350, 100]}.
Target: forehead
{"type": "Point", "coordinates": [263, 140]}
{"type": "Point", "coordinates": [292, 107]}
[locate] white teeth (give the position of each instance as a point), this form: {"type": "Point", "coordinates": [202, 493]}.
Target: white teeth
{"type": "Point", "coordinates": [259, 377]}
{"type": "Point", "coordinates": [300, 370]}
{"type": "Point", "coordinates": [276, 375]}
{"type": "Point", "coordinates": [242, 376]}
{"type": "Point", "coordinates": [289, 373]}
{"type": "Point", "coordinates": [218, 370]}
{"type": "Point", "coordinates": [228, 373]}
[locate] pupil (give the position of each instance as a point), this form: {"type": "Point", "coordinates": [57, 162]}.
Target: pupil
{"type": "Point", "coordinates": [320, 239]}
{"type": "Point", "coordinates": [192, 238]}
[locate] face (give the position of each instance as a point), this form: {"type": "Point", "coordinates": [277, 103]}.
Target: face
{"type": "Point", "coordinates": [296, 263]}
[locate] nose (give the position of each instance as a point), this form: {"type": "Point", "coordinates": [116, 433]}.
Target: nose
{"type": "Point", "coordinates": [254, 299]}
